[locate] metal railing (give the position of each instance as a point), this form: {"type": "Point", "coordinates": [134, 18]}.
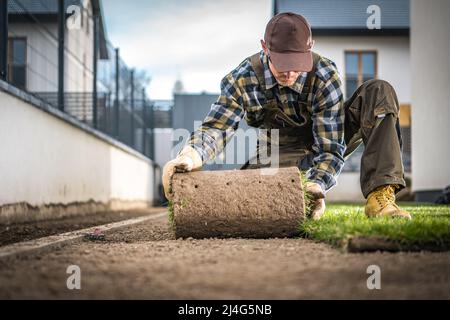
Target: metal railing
{"type": "Point", "coordinates": [77, 71]}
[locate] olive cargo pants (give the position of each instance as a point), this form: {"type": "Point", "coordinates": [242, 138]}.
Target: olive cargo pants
{"type": "Point", "coordinates": [371, 117]}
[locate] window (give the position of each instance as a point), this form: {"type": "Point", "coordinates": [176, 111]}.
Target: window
{"type": "Point", "coordinates": [360, 66]}
{"type": "Point", "coordinates": [17, 62]}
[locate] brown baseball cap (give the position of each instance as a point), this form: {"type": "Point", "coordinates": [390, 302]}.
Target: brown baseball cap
{"type": "Point", "coordinates": [289, 40]}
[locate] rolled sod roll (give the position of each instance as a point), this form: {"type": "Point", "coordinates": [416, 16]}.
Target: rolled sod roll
{"type": "Point", "coordinates": [260, 203]}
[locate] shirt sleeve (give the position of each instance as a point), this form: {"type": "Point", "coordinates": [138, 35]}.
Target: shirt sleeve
{"type": "Point", "coordinates": [220, 124]}
{"type": "Point", "coordinates": [328, 129]}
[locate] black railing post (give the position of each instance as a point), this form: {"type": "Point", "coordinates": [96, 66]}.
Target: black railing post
{"type": "Point", "coordinates": [132, 108]}
{"type": "Point", "coordinates": [61, 37]}
{"type": "Point", "coordinates": [144, 123]}
{"type": "Point", "coordinates": [107, 115]}
{"type": "Point", "coordinates": [95, 97]}
{"type": "Point", "coordinates": [116, 102]}
{"type": "Point", "coordinates": [152, 130]}
{"type": "Point", "coordinates": [3, 39]}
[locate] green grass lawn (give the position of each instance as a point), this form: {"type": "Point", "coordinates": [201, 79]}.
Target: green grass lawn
{"type": "Point", "coordinates": [430, 226]}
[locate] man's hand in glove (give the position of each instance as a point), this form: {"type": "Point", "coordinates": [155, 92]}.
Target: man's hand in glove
{"type": "Point", "coordinates": [187, 160]}
{"type": "Point", "coordinates": [317, 195]}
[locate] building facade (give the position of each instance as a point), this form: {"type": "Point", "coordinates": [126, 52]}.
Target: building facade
{"type": "Point", "coordinates": [33, 51]}
{"type": "Point", "coordinates": [33, 44]}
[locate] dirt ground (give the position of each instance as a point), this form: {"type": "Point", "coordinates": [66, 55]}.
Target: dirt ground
{"type": "Point", "coordinates": [29, 231]}
{"type": "Point", "coordinates": [145, 262]}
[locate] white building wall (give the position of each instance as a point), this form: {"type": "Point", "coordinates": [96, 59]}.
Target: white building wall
{"type": "Point", "coordinates": [393, 58]}
{"type": "Point", "coordinates": [347, 190]}
{"type": "Point", "coordinates": [79, 62]}
{"type": "Point", "coordinates": [46, 161]}
{"type": "Point", "coordinates": [42, 55]}
{"type": "Point", "coordinates": [430, 49]}
{"type": "Point", "coordinates": [163, 146]}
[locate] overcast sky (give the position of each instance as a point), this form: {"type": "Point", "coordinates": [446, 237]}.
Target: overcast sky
{"type": "Point", "coordinates": [198, 41]}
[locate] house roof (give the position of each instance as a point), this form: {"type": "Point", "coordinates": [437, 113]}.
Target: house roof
{"type": "Point", "coordinates": [349, 16]}
{"type": "Point", "coordinates": [49, 8]}
{"type": "Point", "coordinates": [37, 6]}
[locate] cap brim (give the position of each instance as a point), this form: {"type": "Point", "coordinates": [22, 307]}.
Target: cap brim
{"type": "Point", "coordinates": [292, 61]}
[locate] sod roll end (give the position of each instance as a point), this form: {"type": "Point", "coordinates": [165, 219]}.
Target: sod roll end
{"type": "Point", "coordinates": [261, 203]}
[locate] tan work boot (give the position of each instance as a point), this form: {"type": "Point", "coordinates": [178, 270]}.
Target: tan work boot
{"type": "Point", "coordinates": [381, 203]}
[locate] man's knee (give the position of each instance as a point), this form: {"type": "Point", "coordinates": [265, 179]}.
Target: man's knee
{"type": "Point", "coordinates": [378, 84]}
{"type": "Point", "coordinates": [382, 98]}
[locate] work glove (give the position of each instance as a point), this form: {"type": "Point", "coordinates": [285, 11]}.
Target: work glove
{"type": "Point", "coordinates": [317, 195]}
{"type": "Point", "coordinates": [187, 160]}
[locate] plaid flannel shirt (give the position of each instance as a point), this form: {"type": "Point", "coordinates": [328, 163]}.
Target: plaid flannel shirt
{"type": "Point", "coordinates": [240, 92]}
